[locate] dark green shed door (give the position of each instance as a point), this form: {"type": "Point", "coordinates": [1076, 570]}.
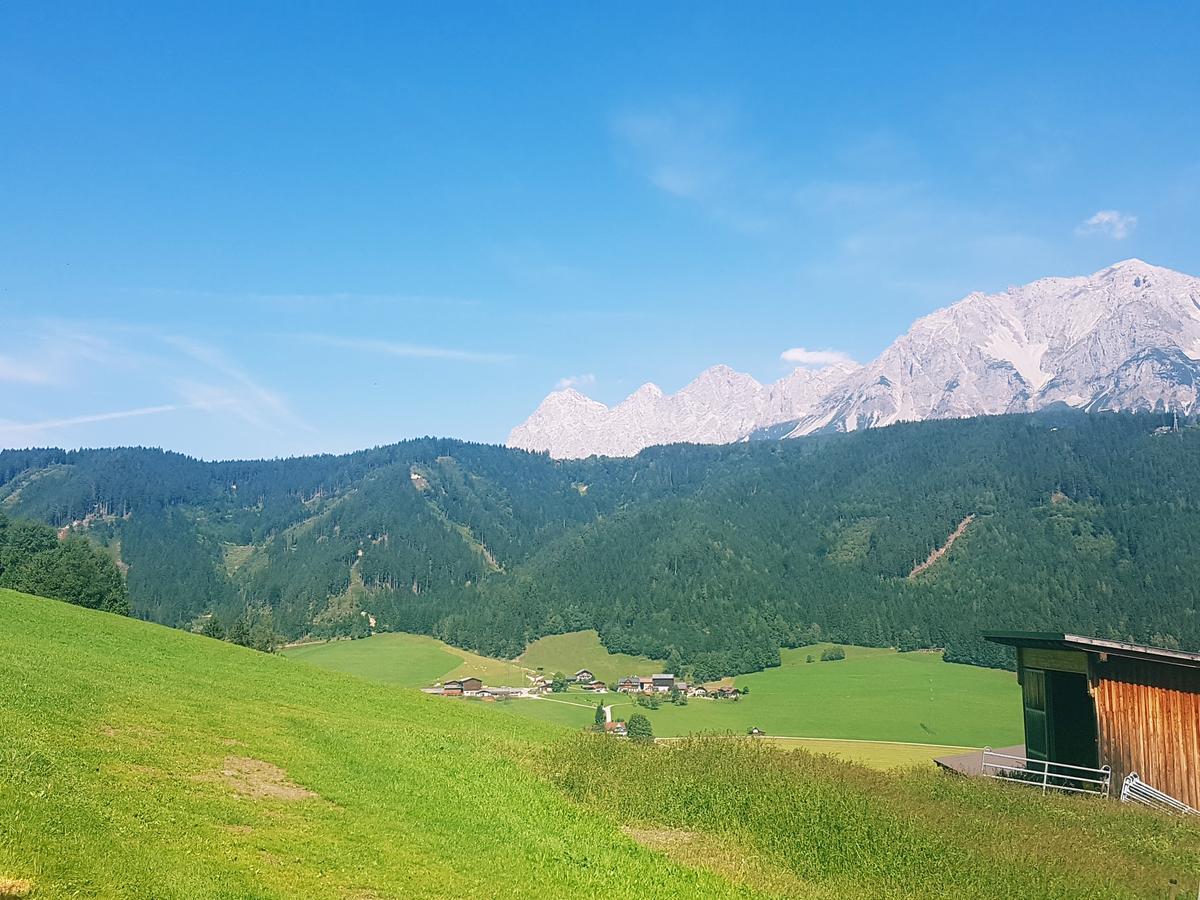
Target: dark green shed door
{"type": "Point", "coordinates": [1037, 732]}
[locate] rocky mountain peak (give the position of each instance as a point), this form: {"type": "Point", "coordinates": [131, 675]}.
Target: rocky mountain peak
{"type": "Point", "coordinates": [1124, 338]}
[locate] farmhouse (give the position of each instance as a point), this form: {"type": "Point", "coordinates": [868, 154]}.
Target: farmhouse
{"type": "Point", "coordinates": [452, 688]}
{"type": "Point", "coordinates": [638, 684]}
{"type": "Point", "coordinates": [598, 686]}
{"type": "Point", "coordinates": [663, 684]}
{"type": "Point", "coordinates": [583, 676]}
{"type": "Point", "coordinates": [1094, 703]}
{"type": "Point", "coordinates": [471, 686]}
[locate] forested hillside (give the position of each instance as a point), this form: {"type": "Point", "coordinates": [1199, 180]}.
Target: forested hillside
{"type": "Point", "coordinates": [32, 558]}
{"type": "Point", "coordinates": [709, 557]}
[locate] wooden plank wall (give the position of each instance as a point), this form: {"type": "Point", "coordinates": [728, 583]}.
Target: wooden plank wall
{"type": "Point", "coordinates": [1149, 722]}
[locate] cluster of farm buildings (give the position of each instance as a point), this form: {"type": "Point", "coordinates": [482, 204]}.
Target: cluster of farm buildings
{"type": "Point", "coordinates": [474, 687]}
{"type": "Point", "coordinates": [664, 683]}
{"type": "Point", "coordinates": [669, 684]}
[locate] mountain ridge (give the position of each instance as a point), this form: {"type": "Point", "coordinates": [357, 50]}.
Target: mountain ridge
{"type": "Point", "coordinates": [1122, 339]}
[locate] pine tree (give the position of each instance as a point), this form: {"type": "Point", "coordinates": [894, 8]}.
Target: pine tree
{"type": "Point", "coordinates": [639, 729]}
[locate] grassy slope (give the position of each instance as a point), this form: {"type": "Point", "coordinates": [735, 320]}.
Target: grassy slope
{"type": "Point", "coordinates": [116, 732]}
{"type": "Point", "coordinates": [568, 653]}
{"type": "Point", "coordinates": [871, 695]}
{"type": "Point", "coordinates": [815, 828]}
{"type": "Point", "coordinates": [410, 660]}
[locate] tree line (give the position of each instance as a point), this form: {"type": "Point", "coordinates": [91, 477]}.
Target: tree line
{"type": "Point", "coordinates": [711, 558]}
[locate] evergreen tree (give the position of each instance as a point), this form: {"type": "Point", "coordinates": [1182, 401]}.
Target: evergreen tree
{"type": "Point", "coordinates": [212, 628]}
{"type": "Point", "coordinates": [639, 729]}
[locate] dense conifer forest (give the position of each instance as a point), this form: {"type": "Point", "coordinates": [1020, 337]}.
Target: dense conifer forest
{"type": "Point", "coordinates": [34, 560]}
{"type": "Point", "coordinates": [709, 557]}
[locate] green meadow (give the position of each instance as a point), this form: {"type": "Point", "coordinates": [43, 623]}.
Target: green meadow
{"type": "Point", "coordinates": [568, 653]}
{"type": "Point", "coordinates": [139, 761]}
{"type": "Point", "coordinates": [872, 695]}
{"type": "Point", "coordinates": [409, 660]}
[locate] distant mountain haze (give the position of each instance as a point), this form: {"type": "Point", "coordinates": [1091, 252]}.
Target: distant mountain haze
{"type": "Point", "coordinates": [1125, 338]}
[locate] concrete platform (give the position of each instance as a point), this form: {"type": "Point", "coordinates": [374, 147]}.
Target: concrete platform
{"type": "Point", "coordinates": [971, 764]}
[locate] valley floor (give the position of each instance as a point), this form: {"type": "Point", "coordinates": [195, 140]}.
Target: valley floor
{"type": "Point", "coordinates": [872, 695]}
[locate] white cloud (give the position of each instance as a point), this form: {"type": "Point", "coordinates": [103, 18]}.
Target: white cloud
{"type": "Point", "coordinates": [410, 351]}
{"type": "Point", "coordinates": [17, 428]}
{"type": "Point", "coordinates": [679, 152]}
{"type": "Point", "coordinates": [245, 397]}
{"type": "Point", "coordinates": [1109, 222]}
{"type": "Point", "coordinates": [804, 357]}
{"type": "Point", "coordinates": [576, 381]}
{"type": "Point", "coordinates": [22, 372]}
{"type": "Point", "coordinates": [690, 151]}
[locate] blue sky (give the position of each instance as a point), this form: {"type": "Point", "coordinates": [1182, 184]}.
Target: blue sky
{"type": "Point", "coordinates": [268, 229]}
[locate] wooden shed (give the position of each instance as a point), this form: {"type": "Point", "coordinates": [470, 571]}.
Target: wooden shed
{"type": "Point", "coordinates": [1092, 702]}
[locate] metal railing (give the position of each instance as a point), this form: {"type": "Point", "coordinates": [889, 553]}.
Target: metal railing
{"type": "Point", "coordinates": [1049, 776]}
{"type": "Point", "coordinates": [1134, 790]}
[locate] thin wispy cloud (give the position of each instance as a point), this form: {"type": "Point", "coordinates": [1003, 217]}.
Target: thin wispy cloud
{"type": "Point", "coordinates": [576, 381]}
{"type": "Point", "coordinates": [677, 152]}
{"type": "Point", "coordinates": [406, 350]}
{"type": "Point", "coordinates": [245, 397]}
{"type": "Point", "coordinates": [690, 151]}
{"type": "Point", "coordinates": [312, 301]}
{"type": "Point", "coordinates": [8, 427]}
{"type": "Point", "coordinates": [1109, 223]}
{"type": "Point", "coordinates": [802, 356]}
{"type": "Point", "coordinates": [22, 371]}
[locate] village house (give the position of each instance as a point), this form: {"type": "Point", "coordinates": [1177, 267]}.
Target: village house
{"type": "Point", "coordinates": [1102, 716]}
{"type": "Point", "coordinates": [583, 676]}
{"type": "Point", "coordinates": [471, 686]}
{"type": "Point", "coordinates": [452, 688]}
{"type": "Point", "coordinates": [630, 684]}
{"type": "Point", "coordinates": [615, 728]}
{"type": "Point", "coordinates": [598, 686]}
{"type": "Point", "coordinates": [663, 684]}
